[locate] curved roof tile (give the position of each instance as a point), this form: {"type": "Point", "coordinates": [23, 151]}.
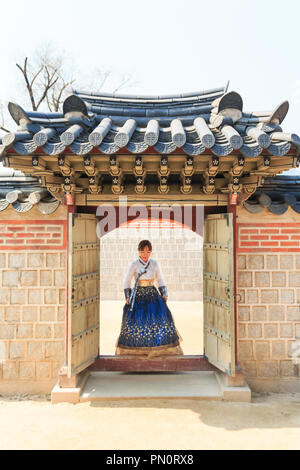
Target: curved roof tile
{"type": "Point", "coordinates": [22, 192]}
{"type": "Point", "coordinates": [276, 195]}
{"type": "Point", "coordinates": [212, 119]}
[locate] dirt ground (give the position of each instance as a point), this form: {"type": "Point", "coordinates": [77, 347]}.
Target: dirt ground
{"type": "Point", "coordinates": [271, 421]}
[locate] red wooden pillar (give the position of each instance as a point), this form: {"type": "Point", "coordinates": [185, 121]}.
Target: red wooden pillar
{"type": "Point", "coordinates": [71, 209]}
{"type": "Point", "coordinates": [232, 210]}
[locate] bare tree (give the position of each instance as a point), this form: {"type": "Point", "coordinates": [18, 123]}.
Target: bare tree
{"type": "Point", "coordinates": [102, 77]}
{"type": "Point", "coordinates": [48, 78]}
{"type": "Point", "coordinates": [126, 80]}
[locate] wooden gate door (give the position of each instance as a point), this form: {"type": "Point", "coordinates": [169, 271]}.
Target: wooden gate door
{"type": "Point", "coordinates": [84, 291]}
{"type": "Point", "coordinates": [218, 292]}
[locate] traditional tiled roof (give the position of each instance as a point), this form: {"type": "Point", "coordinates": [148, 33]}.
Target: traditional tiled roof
{"type": "Point", "coordinates": [211, 120]}
{"type": "Point", "coordinates": [23, 192]}
{"type": "Point", "coordinates": [277, 195]}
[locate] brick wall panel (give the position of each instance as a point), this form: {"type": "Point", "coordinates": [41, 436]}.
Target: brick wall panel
{"type": "Point", "coordinates": [20, 233]}
{"type": "Point", "coordinates": [27, 243]}
{"type": "Point", "coordinates": [274, 264]}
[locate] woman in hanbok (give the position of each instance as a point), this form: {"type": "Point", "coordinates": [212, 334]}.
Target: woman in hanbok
{"type": "Point", "coordinates": [148, 327]}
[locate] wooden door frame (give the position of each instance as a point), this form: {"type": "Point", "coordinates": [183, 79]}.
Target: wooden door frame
{"type": "Point", "coordinates": [161, 364]}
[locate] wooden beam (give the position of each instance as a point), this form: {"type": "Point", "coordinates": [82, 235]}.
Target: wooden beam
{"type": "Point", "coordinates": [235, 185]}
{"type": "Point", "coordinates": [69, 185]}
{"type": "Point", "coordinates": [56, 191]}
{"type": "Point", "coordinates": [89, 165]}
{"type": "Point", "coordinates": [188, 168]}
{"type": "Point", "coordinates": [64, 166]}
{"type": "Point", "coordinates": [210, 184]}
{"type": "Point", "coordinates": [117, 175]}
{"type": "Point", "coordinates": [213, 166]}
{"type": "Point", "coordinates": [238, 166]}
{"type": "Point", "coordinates": [186, 176]}
{"type": "Point", "coordinates": [164, 169]}
{"type": "Point", "coordinates": [186, 183]}
{"type": "Point", "coordinates": [140, 174]}
{"type": "Point", "coordinates": [38, 163]}
{"type": "Point", "coordinates": [164, 364]}
{"type": "Point", "coordinates": [154, 197]}
{"type": "Point", "coordinates": [138, 170]}
{"type": "Point", "coordinates": [95, 184]}
{"type": "Point", "coordinates": [254, 178]}
{"type": "Point", "coordinates": [163, 173]}
{"type": "Point", "coordinates": [247, 191]}
{"type": "Point", "coordinates": [114, 167]}
{"type": "Point", "coordinates": [117, 187]}
{"type": "Point", "coordinates": [264, 163]}
{"type": "Point", "coordinates": [163, 187]}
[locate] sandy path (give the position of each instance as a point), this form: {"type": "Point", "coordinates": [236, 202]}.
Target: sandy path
{"type": "Point", "coordinates": [270, 422]}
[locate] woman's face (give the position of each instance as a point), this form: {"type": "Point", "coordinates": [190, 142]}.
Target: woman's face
{"type": "Point", "coordinates": [145, 253]}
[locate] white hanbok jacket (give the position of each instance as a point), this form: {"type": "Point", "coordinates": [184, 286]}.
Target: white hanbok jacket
{"type": "Point", "coordinates": [153, 272]}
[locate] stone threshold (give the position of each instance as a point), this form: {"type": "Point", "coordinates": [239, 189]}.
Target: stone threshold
{"type": "Point", "coordinates": [101, 386]}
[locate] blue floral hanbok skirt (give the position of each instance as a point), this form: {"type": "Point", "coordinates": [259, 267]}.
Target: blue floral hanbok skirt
{"type": "Point", "coordinates": [148, 329]}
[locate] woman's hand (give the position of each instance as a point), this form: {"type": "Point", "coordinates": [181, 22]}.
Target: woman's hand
{"type": "Point", "coordinates": [127, 301]}
{"type": "Point", "coordinates": [165, 297]}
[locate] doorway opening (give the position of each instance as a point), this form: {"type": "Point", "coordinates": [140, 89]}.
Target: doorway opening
{"type": "Point", "coordinates": [179, 251]}
{"type": "Point", "coordinates": [208, 332]}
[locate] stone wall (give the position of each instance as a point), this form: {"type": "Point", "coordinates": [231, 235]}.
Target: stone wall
{"type": "Point", "coordinates": [268, 282]}
{"type": "Point", "coordinates": [32, 299]}
{"type": "Point", "coordinates": [179, 254]}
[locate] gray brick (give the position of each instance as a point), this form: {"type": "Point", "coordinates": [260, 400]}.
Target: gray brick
{"type": "Point", "coordinates": [286, 262]}
{"type": "Point", "coordinates": [10, 278]}
{"type": "Point", "coordinates": [267, 369]}
{"type": "Point", "coordinates": [271, 262]}
{"type": "Point", "coordinates": [288, 369]}
{"type": "Point", "coordinates": [16, 260]}
{"type": "Point", "coordinates": [259, 313]}
{"type": "Point", "coordinates": [278, 279]}
{"type": "Point", "coordinates": [17, 350]}
{"type": "Point", "coordinates": [255, 262]}
{"type": "Point", "coordinates": [294, 279]}
{"type": "Point", "coordinates": [293, 313]}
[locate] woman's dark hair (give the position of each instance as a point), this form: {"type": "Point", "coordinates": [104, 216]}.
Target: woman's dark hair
{"type": "Point", "coordinates": [143, 244]}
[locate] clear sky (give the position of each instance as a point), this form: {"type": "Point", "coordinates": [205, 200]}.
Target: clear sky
{"type": "Point", "coordinates": [167, 46]}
